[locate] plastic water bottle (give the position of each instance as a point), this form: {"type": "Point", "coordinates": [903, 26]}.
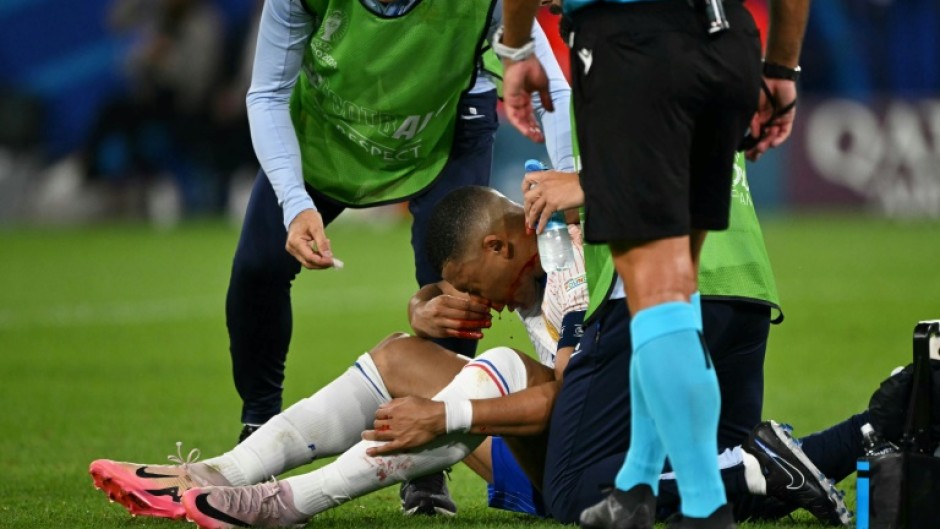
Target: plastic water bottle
{"type": "Point", "coordinates": [555, 250]}
{"type": "Point", "coordinates": [873, 444]}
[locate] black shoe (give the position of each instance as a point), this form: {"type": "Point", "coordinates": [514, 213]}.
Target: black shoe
{"type": "Point", "coordinates": [427, 495]}
{"type": "Point", "coordinates": [792, 478]}
{"type": "Point", "coordinates": [633, 509]}
{"type": "Point", "coordinates": [247, 430]}
{"type": "Point", "coordinates": [722, 518]}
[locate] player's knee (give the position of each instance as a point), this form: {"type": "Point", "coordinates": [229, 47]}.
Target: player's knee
{"type": "Point", "coordinates": [393, 346]}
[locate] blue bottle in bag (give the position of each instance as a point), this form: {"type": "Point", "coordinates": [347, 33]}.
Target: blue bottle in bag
{"type": "Point", "coordinates": [874, 446]}
{"type": "Point", "coordinates": [861, 493]}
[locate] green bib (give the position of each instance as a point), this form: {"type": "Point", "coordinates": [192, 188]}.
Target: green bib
{"type": "Point", "coordinates": [375, 106]}
{"type": "Point", "coordinates": [734, 262]}
{"type": "Point", "coordinates": [733, 265]}
{"type": "Point", "coordinates": [493, 66]}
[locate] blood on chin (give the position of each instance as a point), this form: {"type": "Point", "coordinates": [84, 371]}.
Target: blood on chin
{"type": "Point", "coordinates": [511, 306]}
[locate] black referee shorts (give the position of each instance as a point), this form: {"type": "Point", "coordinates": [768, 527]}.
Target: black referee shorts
{"type": "Point", "coordinates": [661, 107]}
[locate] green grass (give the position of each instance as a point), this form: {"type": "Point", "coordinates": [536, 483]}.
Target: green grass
{"type": "Point", "coordinates": [113, 344]}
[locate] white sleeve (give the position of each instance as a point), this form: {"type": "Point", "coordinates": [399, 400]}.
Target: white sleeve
{"type": "Point", "coordinates": [557, 124]}
{"type": "Point", "coordinates": [283, 34]}
{"type": "Point", "coordinates": [576, 290]}
{"type": "Point", "coordinates": [568, 288]}
{"type": "Point", "coordinates": [495, 21]}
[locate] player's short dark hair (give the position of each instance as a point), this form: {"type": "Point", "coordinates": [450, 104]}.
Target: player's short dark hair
{"type": "Point", "coordinates": [455, 221]}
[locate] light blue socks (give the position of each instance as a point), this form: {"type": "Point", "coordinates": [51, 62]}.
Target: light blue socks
{"type": "Point", "coordinates": [675, 407]}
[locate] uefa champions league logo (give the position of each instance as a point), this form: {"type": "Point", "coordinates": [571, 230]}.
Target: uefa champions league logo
{"type": "Point", "coordinates": [333, 26]}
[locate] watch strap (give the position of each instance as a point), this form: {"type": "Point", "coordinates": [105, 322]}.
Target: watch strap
{"type": "Point", "coordinates": [778, 71]}
{"type": "Point", "coordinates": [514, 54]}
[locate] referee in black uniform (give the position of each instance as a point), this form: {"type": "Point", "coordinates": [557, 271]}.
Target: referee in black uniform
{"type": "Point", "coordinates": [664, 93]}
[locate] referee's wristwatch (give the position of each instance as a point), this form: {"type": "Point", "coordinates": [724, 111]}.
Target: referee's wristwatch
{"type": "Point", "coordinates": [778, 71]}
{"type": "Point", "coordinates": [514, 54]}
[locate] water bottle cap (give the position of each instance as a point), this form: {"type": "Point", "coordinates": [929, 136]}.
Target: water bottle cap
{"type": "Point", "coordinates": [556, 222]}
{"type": "Point", "coordinates": [534, 165]}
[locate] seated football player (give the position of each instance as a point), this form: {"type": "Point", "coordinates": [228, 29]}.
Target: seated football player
{"type": "Point", "coordinates": [445, 405]}
{"type": "Point", "coordinates": [331, 421]}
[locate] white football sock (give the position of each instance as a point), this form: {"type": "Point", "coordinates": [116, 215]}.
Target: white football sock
{"type": "Point", "coordinates": [324, 424]}
{"type": "Point", "coordinates": [492, 374]}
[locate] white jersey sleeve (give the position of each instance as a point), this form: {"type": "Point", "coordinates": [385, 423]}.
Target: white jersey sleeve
{"type": "Point", "coordinates": [565, 293]}
{"type": "Point", "coordinates": [566, 290]}
{"type": "Point", "coordinates": [542, 339]}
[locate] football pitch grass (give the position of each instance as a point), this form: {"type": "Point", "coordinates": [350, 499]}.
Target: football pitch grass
{"type": "Point", "coordinates": [113, 345]}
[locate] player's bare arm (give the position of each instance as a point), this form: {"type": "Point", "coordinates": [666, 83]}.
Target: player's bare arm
{"type": "Point", "coordinates": [524, 413]}
{"type": "Point", "coordinates": [439, 310]}
{"type": "Point", "coordinates": [411, 422]}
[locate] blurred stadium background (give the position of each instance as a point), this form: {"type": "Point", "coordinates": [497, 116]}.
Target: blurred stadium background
{"type": "Point", "coordinates": [117, 226]}
{"type": "Point", "coordinates": [107, 109]}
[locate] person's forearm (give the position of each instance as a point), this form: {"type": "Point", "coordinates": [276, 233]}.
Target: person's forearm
{"type": "Point", "coordinates": [284, 30]}
{"type": "Point", "coordinates": [785, 37]}
{"type": "Point", "coordinates": [278, 152]}
{"type": "Point", "coordinates": [522, 413]}
{"type": "Point", "coordinates": [556, 125]}
{"type": "Point", "coordinates": [517, 21]}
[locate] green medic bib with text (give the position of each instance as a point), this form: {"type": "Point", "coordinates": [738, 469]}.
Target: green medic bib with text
{"type": "Point", "coordinates": [733, 265]}
{"type": "Point", "coordinates": [375, 106]}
